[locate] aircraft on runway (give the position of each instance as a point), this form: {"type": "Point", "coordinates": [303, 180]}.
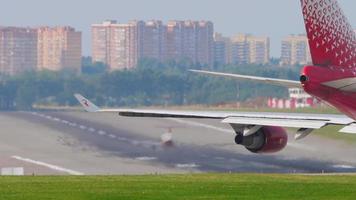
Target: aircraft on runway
{"type": "Point", "coordinates": [331, 78]}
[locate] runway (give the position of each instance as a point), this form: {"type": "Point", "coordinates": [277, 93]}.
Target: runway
{"type": "Point", "coordinates": [79, 143]}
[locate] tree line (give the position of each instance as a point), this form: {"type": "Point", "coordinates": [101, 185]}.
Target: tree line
{"type": "Point", "coordinates": [150, 83]}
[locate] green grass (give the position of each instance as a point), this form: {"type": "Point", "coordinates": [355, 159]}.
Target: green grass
{"type": "Point", "coordinates": [200, 186]}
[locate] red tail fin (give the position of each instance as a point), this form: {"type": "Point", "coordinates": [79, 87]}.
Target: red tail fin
{"type": "Point", "coordinates": [331, 39]}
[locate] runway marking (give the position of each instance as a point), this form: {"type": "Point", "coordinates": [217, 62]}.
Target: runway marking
{"type": "Point", "coordinates": [56, 119]}
{"type": "Point", "coordinates": [101, 132]}
{"type": "Point", "coordinates": [135, 143]}
{"type": "Point", "coordinates": [50, 166]}
{"type": "Point", "coordinates": [72, 124]}
{"type": "Point", "coordinates": [122, 139]}
{"type": "Point", "coordinates": [182, 121]}
{"type": "Point", "coordinates": [91, 130]}
{"type": "Point", "coordinates": [219, 158]}
{"type": "Point", "coordinates": [146, 158]}
{"type": "Point", "coordinates": [187, 165]}
{"type": "Point", "coordinates": [344, 166]}
{"type": "Point", "coordinates": [82, 127]}
{"type": "Point", "coordinates": [112, 136]}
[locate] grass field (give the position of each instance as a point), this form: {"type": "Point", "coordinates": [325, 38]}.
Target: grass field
{"type": "Point", "coordinates": [200, 186]}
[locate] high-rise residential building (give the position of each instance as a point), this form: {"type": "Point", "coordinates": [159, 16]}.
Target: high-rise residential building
{"type": "Point", "coordinates": [23, 49]}
{"type": "Point", "coordinates": [153, 40]}
{"type": "Point", "coordinates": [259, 49]}
{"type": "Point", "coordinates": [205, 43]}
{"type": "Point", "coordinates": [18, 50]}
{"type": "Point", "coordinates": [191, 40]}
{"type": "Point", "coordinates": [250, 49]}
{"type": "Point", "coordinates": [116, 45]}
{"type": "Point", "coordinates": [174, 40]}
{"type": "Point", "coordinates": [239, 49]}
{"type": "Point", "coordinates": [295, 50]}
{"type": "Point", "coordinates": [59, 48]}
{"type": "Point", "coordinates": [219, 53]}
{"type": "Point", "coordinates": [122, 45]}
{"type": "Point", "coordinates": [220, 49]}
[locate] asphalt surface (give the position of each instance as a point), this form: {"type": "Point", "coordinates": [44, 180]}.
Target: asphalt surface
{"type": "Point", "coordinates": [84, 143]}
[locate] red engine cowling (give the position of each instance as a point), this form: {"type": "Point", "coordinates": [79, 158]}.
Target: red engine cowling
{"type": "Point", "coordinates": [269, 139]}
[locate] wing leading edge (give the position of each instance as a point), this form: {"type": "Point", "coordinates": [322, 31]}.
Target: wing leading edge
{"type": "Point", "coordinates": [272, 81]}
{"type": "Point", "coordinates": [304, 122]}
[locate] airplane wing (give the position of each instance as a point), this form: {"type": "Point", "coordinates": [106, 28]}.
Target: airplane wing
{"type": "Point", "coordinates": [272, 81]}
{"type": "Point", "coordinates": [306, 123]}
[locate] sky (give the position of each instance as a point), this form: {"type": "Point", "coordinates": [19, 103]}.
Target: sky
{"type": "Point", "coordinates": [274, 18]}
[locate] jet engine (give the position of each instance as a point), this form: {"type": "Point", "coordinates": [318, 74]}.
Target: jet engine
{"type": "Point", "coordinates": [268, 139]}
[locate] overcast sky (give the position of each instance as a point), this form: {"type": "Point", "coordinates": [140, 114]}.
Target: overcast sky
{"type": "Point", "coordinates": [274, 18]}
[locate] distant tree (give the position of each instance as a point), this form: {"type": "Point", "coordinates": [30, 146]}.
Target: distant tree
{"type": "Point", "coordinates": [90, 68]}
{"type": "Point", "coordinates": [151, 83]}
{"type": "Point", "coordinates": [25, 97]}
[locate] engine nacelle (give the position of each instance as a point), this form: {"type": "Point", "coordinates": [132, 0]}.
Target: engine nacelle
{"type": "Point", "coordinates": [268, 139]}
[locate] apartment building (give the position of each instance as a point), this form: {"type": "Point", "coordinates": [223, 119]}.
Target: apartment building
{"type": "Point", "coordinates": [240, 49]}
{"type": "Point", "coordinates": [18, 50]}
{"type": "Point", "coordinates": [153, 40]}
{"type": "Point", "coordinates": [221, 49]}
{"type": "Point", "coordinates": [59, 48]}
{"type": "Point", "coordinates": [259, 49]}
{"type": "Point", "coordinates": [295, 50]}
{"type": "Point", "coordinates": [25, 49]}
{"type": "Point", "coordinates": [174, 40]}
{"type": "Point", "coordinates": [120, 46]}
{"type": "Point", "coordinates": [247, 48]}
{"type": "Point", "coordinates": [205, 43]}
{"type": "Point", "coordinates": [115, 44]}
{"type": "Point", "coordinates": [191, 40]}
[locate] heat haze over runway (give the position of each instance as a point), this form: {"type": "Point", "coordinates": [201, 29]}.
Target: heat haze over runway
{"type": "Point", "coordinates": [83, 143]}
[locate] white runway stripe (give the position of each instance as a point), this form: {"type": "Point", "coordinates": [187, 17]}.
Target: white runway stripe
{"type": "Point", "coordinates": [343, 166]}
{"type": "Point", "coordinates": [146, 158]}
{"type": "Point", "coordinates": [192, 123]}
{"type": "Point", "coordinates": [53, 167]}
{"type": "Point", "coordinates": [187, 165]}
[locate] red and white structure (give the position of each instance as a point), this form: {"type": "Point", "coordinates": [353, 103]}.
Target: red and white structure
{"type": "Point", "coordinates": [298, 98]}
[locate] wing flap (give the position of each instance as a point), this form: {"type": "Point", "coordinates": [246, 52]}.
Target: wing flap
{"type": "Point", "coordinates": [167, 113]}
{"type": "Point", "coordinates": [349, 129]}
{"type": "Point", "coordinates": [289, 123]}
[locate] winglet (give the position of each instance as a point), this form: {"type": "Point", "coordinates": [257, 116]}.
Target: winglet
{"type": "Point", "coordinates": [88, 105]}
